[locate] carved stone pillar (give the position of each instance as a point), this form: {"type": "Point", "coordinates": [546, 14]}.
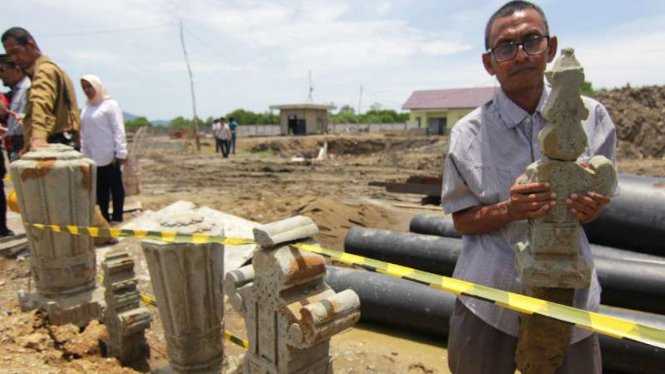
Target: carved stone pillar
{"type": "Point", "coordinates": [187, 281]}
{"type": "Point", "coordinates": [56, 185]}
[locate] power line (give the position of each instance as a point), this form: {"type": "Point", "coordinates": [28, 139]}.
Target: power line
{"type": "Point", "coordinates": [108, 31]}
{"type": "Point", "coordinates": [210, 47]}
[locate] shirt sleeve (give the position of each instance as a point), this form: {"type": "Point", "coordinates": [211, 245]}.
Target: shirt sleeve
{"type": "Point", "coordinates": [605, 140]}
{"type": "Point", "coordinates": [456, 194]}
{"type": "Point", "coordinates": [114, 116]}
{"type": "Point", "coordinates": [43, 94]}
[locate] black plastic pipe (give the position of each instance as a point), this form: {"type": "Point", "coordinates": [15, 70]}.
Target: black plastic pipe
{"type": "Point", "coordinates": [414, 307]}
{"type": "Point", "coordinates": [439, 225]}
{"type": "Point", "coordinates": [635, 219]}
{"type": "Point", "coordinates": [628, 284]}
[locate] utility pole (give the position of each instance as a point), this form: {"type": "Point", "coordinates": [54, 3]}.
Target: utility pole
{"type": "Point", "coordinates": [360, 100]}
{"type": "Point", "coordinates": [191, 84]}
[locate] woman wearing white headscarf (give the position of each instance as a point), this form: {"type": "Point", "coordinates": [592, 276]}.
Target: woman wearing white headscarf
{"type": "Point", "coordinates": [103, 140]}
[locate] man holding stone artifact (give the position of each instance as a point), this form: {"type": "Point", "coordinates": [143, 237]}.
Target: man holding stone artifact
{"type": "Point", "coordinates": [489, 151]}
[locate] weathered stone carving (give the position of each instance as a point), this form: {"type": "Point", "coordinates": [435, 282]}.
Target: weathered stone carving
{"type": "Point", "coordinates": [56, 185]}
{"type": "Point", "coordinates": [187, 281]}
{"type": "Point", "coordinates": [290, 313]}
{"type": "Point", "coordinates": [124, 317]}
{"type": "Point", "coordinates": [551, 265]}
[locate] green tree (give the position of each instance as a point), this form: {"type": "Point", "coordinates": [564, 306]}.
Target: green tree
{"type": "Point", "coordinates": [587, 89]}
{"type": "Point", "coordinates": [138, 122]}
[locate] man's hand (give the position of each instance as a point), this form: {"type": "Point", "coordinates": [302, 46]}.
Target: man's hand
{"type": "Point", "coordinates": [37, 143]}
{"type": "Point", "coordinates": [530, 200]}
{"type": "Point", "coordinates": [587, 207]}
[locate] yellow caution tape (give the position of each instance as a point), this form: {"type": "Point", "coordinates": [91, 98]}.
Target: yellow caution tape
{"type": "Point", "coordinates": [162, 236]}
{"type": "Point", "coordinates": [596, 322]}
{"type": "Point", "coordinates": [603, 324]}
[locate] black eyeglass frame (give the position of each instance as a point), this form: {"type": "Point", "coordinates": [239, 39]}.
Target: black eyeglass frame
{"type": "Point", "coordinates": [517, 47]}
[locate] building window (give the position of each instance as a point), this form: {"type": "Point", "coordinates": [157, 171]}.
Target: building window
{"type": "Point", "coordinates": [418, 122]}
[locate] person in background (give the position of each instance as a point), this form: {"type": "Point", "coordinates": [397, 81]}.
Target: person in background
{"type": "Point", "coordinates": [13, 77]}
{"type": "Point", "coordinates": [225, 138]}
{"type": "Point", "coordinates": [4, 230]}
{"type": "Point", "coordinates": [233, 125]}
{"type": "Point", "coordinates": [103, 140]}
{"type": "Point", "coordinates": [216, 127]}
{"type": "Point", "coordinates": [51, 112]}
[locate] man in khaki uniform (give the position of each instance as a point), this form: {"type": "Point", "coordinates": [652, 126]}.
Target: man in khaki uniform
{"type": "Point", "coordinates": [51, 114]}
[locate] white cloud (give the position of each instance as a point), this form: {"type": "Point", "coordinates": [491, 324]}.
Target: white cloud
{"type": "Point", "coordinates": [444, 48]}
{"type": "Point", "coordinates": [616, 60]}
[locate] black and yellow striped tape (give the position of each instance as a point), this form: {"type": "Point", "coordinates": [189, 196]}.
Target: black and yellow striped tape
{"type": "Point", "coordinates": [164, 236]}
{"type": "Point", "coordinates": [600, 323]}
{"type": "Point", "coordinates": [596, 322]}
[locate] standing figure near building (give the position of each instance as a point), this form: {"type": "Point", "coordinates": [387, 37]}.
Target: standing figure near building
{"type": "Point", "coordinates": [51, 113]}
{"type": "Point", "coordinates": [13, 77]}
{"type": "Point", "coordinates": [489, 150]}
{"type": "Point", "coordinates": [233, 125]}
{"type": "Point", "coordinates": [216, 126]}
{"type": "Point", "coordinates": [103, 140]}
{"type": "Point", "coordinates": [225, 138]}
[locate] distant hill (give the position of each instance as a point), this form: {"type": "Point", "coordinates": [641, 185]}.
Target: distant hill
{"type": "Point", "coordinates": [160, 122]}
{"type": "Point", "coordinates": [128, 116]}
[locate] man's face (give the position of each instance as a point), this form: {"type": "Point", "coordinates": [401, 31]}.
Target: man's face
{"type": "Point", "coordinates": [525, 71]}
{"type": "Point", "coordinates": [23, 55]}
{"type": "Point", "coordinates": [10, 74]}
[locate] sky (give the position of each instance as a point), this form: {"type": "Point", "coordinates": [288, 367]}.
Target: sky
{"type": "Point", "coordinates": [251, 54]}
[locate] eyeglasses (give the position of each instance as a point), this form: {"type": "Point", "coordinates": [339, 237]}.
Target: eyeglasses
{"type": "Point", "coordinates": [532, 45]}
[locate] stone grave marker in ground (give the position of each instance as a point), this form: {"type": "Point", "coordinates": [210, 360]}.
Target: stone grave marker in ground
{"type": "Point", "coordinates": [125, 319]}
{"type": "Point", "coordinates": [290, 312]}
{"type": "Point", "coordinates": [187, 281]}
{"type": "Point", "coordinates": [551, 265]}
{"type": "Point", "coordinates": [56, 185]}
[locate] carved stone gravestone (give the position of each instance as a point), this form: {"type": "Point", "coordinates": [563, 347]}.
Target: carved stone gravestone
{"type": "Point", "coordinates": [290, 313]}
{"type": "Point", "coordinates": [551, 265]}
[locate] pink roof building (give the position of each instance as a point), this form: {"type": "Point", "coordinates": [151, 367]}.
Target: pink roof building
{"type": "Point", "coordinates": [436, 111]}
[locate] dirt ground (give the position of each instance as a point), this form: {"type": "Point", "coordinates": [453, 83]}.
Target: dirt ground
{"type": "Point", "coordinates": [260, 183]}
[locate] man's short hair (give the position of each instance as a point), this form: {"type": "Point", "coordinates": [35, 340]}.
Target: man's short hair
{"type": "Point", "coordinates": [21, 35]}
{"type": "Point", "coordinates": [6, 60]}
{"type": "Point", "coordinates": [508, 9]}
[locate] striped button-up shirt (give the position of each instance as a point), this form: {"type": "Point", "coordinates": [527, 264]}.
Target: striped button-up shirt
{"type": "Point", "coordinates": [489, 149]}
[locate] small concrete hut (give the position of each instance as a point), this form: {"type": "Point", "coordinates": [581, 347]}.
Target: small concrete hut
{"type": "Point", "coordinates": [303, 119]}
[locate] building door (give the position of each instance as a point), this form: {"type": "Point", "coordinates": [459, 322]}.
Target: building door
{"type": "Point", "coordinates": [437, 126]}
{"type": "Point", "coordinates": [301, 127]}
{"type": "Point", "coordinates": [293, 124]}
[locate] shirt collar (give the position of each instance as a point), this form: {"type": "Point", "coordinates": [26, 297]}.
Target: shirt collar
{"type": "Point", "coordinates": [21, 83]}
{"type": "Point", "coordinates": [510, 113]}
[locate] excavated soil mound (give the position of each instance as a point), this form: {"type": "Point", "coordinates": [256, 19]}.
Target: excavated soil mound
{"type": "Point", "coordinates": [638, 114]}
{"type": "Point", "coordinates": [352, 145]}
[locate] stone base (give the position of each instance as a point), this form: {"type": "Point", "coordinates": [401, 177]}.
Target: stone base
{"type": "Point", "coordinates": [79, 309]}
{"type": "Point", "coordinates": [258, 366]}
{"type": "Point", "coordinates": [543, 342]}
{"type": "Point", "coordinates": [552, 271]}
